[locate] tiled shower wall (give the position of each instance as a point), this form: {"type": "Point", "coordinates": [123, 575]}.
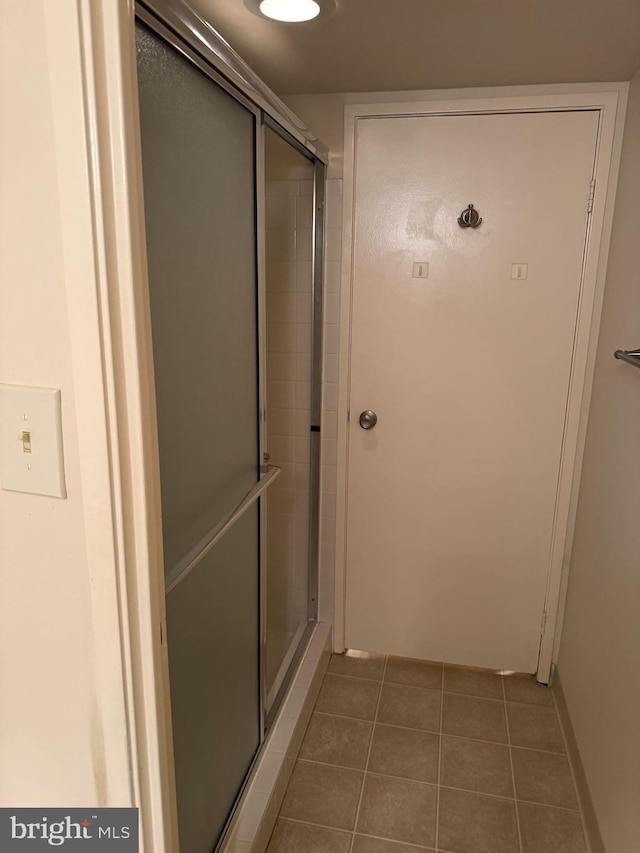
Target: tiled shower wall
{"type": "Point", "coordinates": [333, 246]}
{"type": "Point", "coordinates": [289, 278]}
{"type": "Point", "coordinates": [289, 215]}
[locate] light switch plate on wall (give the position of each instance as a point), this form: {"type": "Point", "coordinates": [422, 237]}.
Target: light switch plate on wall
{"type": "Point", "coordinates": [31, 457]}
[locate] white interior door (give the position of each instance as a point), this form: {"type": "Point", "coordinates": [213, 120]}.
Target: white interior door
{"type": "Point", "coordinates": [452, 496]}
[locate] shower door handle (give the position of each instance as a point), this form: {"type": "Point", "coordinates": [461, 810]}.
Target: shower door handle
{"type": "Point", "coordinates": [268, 473]}
{"type": "Point", "coordinates": [368, 419]}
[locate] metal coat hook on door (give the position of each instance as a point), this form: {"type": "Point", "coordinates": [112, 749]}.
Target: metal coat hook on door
{"type": "Point", "coordinates": [469, 218]}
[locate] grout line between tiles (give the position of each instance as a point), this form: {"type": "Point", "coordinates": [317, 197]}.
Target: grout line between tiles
{"type": "Point", "coordinates": [395, 841]}
{"type": "Point", "coordinates": [433, 785]}
{"type": "Point", "coordinates": [437, 833]}
{"type": "Point", "coordinates": [576, 792]}
{"type": "Point", "coordinates": [358, 677]}
{"type": "Point", "coordinates": [445, 734]}
{"type": "Point", "coordinates": [380, 723]}
{"type": "Point", "coordinates": [513, 775]}
{"type": "Point", "coordinates": [366, 765]}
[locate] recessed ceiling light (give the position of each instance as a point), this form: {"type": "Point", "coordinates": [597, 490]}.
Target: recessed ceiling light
{"type": "Point", "coordinates": [290, 10]}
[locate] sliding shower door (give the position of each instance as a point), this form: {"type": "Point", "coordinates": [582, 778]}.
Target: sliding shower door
{"type": "Point", "coordinates": [293, 211]}
{"type": "Point", "coordinates": [199, 168]}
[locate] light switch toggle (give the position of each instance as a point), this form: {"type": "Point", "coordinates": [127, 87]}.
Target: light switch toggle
{"type": "Point", "coordinates": [25, 438]}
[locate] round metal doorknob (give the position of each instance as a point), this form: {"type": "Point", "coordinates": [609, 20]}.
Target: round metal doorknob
{"type": "Point", "coordinates": [368, 419]}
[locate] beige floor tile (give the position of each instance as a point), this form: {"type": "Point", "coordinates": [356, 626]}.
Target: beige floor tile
{"type": "Point", "coordinates": [547, 830]}
{"type": "Point", "coordinates": [413, 707]}
{"type": "Point", "coordinates": [468, 716]}
{"type": "Point", "coordinates": [534, 727]}
{"type": "Point", "coordinates": [290, 837]}
{"type": "Point", "coordinates": [358, 665]}
{"type": "Point", "coordinates": [337, 740]}
{"type": "Point", "coordinates": [398, 810]}
{"type": "Point", "coordinates": [476, 766]}
{"type": "Point", "coordinates": [542, 777]}
{"type": "Point", "coordinates": [404, 752]}
{"type": "Point", "coordinates": [348, 697]}
{"type": "Point", "coordinates": [525, 688]}
{"type": "Point", "coordinates": [416, 673]}
{"type": "Point", "coordinates": [325, 795]}
{"type": "Point", "coordinates": [472, 682]}
{"type": "Point", "coordinates": [365, 844]}
{"type": "Point", "coordinates": [473, 823]}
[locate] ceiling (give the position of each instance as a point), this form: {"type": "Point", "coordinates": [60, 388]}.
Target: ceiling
{"type": "Point", "coordinates": [387, 45]}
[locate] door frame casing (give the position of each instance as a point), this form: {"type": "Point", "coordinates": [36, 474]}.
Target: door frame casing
{"type": "Point", "coordinates": [610, 101]}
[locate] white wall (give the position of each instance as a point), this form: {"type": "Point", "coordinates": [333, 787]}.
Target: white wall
{"type": "Point", "coordinates": [63, 734]}
{"type": "Point", "coordinates": [599, 660]}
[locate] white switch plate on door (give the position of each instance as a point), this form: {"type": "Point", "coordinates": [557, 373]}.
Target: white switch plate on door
{"type": "Point", "coordinates": [31, 458]}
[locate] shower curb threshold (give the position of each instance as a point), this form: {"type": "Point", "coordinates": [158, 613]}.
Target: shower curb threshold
{"type": "Point", "coordinates": [256, 813]}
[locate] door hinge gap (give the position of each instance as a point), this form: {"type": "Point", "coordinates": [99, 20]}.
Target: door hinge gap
{"type": "Point", "coordinates": [592, 192]}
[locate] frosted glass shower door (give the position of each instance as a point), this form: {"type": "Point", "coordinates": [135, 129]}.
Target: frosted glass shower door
{"type": "Point", "coordinates": [198, 146]}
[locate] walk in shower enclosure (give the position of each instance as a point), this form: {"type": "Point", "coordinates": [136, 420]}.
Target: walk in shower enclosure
{"type": "Point", "coordinates": [233, 195]}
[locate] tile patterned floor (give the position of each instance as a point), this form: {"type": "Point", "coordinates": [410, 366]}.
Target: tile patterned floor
{"type": "Point", "coordinates": [404, 756]}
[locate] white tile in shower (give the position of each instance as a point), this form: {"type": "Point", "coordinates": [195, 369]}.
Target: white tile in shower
{"type": "Point", "coordinates": [301, 557]}
{"type": "Point", "coordinates": [334, 210]}
{"type": "Point", "coordinates": [332, 308]}
{"type": "Point", "coordinates": [332, 339]}
{"type": "Point", "coordinates": [330, 397]}
{"type": "Point", "coordinates": [281, 306]}
{"type": "Point", "coordinates": [281, 188]}
{"type": "Point", "coordinates": [281, 276]}
{"type": "Point", "coordinates": [330, 451]}
{"type": "Point", "coordinates": [282, 422]}
{"type": "Point", "coordinates": [281, 366]}
{"type": "Point", "coordinates": [330, 424]}
{"type": "Point", "coordinates": [328, 476]}
{"type": "Point", "coordinates": [327, 560]}
{"type": "Point", "coordinates": [303, 395]}
{"type": "Point", "coordinates": [302, 449]}
{"type": "Point", "coordinates": [282, 501]}
{"type": "Point", "coordinates": [304, 276]}
{"type": "Point", "coordinates": [334, 244]}
{"type": "Point", "coordinates": [328, 537]}
{"type": "Point", "coordinates": [331, 367]}
{"type": "Point", "coordinates": [303, 366]}
{"type": "Point", "coordinates": [281, 337]}
{"type": "Point", "coordinates": [281, 244]}
{"type": "Point", "coordinates": [282, 395]}
{"type": "Point", "coordinates": [302, 423]}
{"type": "Point", "coordinates": [328, 506]}
{"type": "Point", "coordinates": [303, 337]}
{"type": "Point", "coordinates": [301, 477]}
{"type": "Point", "coordinates": [281, 211]}
{"type": "Point", "coordinates": [304, 245]}
{"type": "Point", "coordinates": [283, 448]}
{"type": "Point", "coordinates": [303, 307]}
{"type": "Point", "coordinates": [326, 606]}
{"type": "Point", "coordinates": [305, 188]}
{"type": "Point", "coordinates": [283, 527]}
{"type": "Point", "coordinates": [280, 550]}
{"type": "Point", "coordinates": [334, 186]}
{"type": "Point", "coordinates": [304, 212]}
{"type": "Point", "coordinates": [333, 274]}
